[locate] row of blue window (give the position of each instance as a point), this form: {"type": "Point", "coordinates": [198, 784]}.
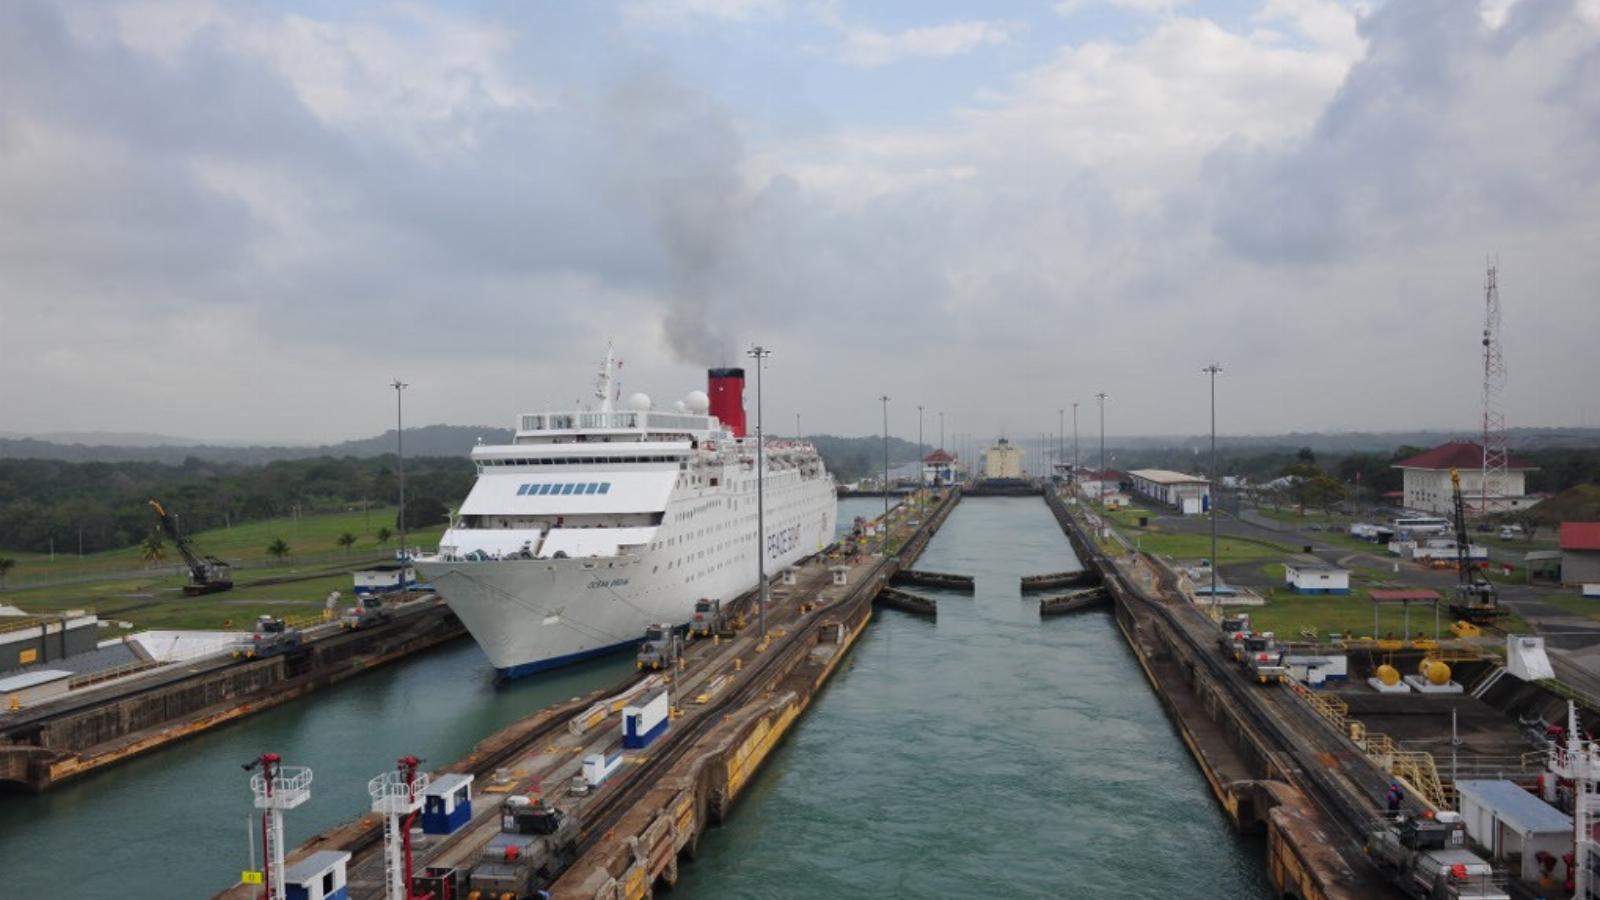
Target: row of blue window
{"type": "Point", "coordinates": [592, 487]}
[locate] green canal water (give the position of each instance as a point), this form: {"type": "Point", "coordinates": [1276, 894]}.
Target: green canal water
{"type": "Point", "coordinates": [987, 755]}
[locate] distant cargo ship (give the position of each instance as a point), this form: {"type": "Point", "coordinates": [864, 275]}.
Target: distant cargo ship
{"type": "Point", "coordinates": [591, 525]}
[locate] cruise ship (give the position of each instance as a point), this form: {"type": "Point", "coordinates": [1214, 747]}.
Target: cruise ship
{"type": "Point", "coordinates": [592, 524]}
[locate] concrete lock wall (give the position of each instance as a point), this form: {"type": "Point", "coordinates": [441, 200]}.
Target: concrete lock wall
{"type": "Point", "coordinates": [80, 731]}
{"type": "Point", "coordinates": [45, 642]}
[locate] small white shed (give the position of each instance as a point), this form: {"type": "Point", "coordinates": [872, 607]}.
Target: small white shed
{"type": "Point", "coordinates": [1316, 577]}
{"type": "Point", "coordinates": [33, 686]}
{"type": "Point", "coordinates": [1513, 824]}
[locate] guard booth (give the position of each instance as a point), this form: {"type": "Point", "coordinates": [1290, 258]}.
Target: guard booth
{"type": "Point", "coordinates": [447, 804]}
{"type": "Point", "coordinates": [319, 876]}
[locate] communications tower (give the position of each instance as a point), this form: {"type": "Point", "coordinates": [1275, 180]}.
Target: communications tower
{"type": "Point", "coordinates": [397, 796]}
{"type": "Point", "coordinates": [1496, 454]}
{"type": "Point", "coordinates": [276, 788]}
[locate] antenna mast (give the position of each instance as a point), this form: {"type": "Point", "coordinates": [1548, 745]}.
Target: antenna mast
{"type": "Point", "coordinates": [1495, 451]}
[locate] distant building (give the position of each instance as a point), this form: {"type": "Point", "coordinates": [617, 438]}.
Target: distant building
{"type": "Point", "coordinates": [939, 468]}
{"type": "Point", "coordinates": [383, 578]}
{"type": "Point", "coordinates": [1426, 480]}
{"type": "Point", "coordinates": [1580, 552]}
{"type": "Point", "coordinates": [1316, 577]}
{"type": "Point", "coordinates": [1003, 460]}
{"type": "Point", "coordinates": [1187, 494]}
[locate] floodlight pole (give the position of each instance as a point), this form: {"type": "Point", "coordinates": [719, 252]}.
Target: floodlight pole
{"type": "Point", "coordinates": [760, 354]}
{"type": "Point", "coordinates": [1213, 370]}
{"type": "Point", "coordinates": [400, 447]}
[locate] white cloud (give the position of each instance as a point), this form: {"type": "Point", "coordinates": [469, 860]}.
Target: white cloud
{"type": "Point", "coordinates": [679, 12]}
{"type": "Point", "coordinates": [869, 47]}
{"type": "Point", "coordinates": [1149, 7]}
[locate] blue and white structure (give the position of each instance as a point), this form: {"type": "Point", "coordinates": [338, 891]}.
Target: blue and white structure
{"type": "Point", "coordinates": [320, 876]}
{"type": "Point", "coordinates": [591, 525]}
{"type": "Point", "coordinates": [383, 578]}
{"type": "Point", "coordinates": [645, 719]}
{"type": "Point", "coordinates": [447, 803]}
{"type": "Point", "coordinates": [597, 767]}
{"type": "Point", "coordinates": [1316, 577]}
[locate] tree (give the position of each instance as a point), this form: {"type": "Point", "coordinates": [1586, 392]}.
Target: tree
{"type": "Point", "coordinates": [5, 566]}
{"type": "Point", "coordinates": [384, 535]}
{"type": "Point", "coordinates": [278, 548]}
{"type": "Point", "coordinates": [347, 540]}
{"type": "Point", "coordinates": [154, 548]}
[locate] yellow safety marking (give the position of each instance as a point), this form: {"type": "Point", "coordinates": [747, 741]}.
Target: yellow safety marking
{"type": "Point", "coordinates": [249, 877]}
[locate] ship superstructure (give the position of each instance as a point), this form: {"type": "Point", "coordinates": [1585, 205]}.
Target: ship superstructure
{"type": "Point", "coordinates": [593, 524]}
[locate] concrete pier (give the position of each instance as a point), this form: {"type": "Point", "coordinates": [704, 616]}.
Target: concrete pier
{"type": "Point", "coordinates": [45, 745]}
{"type": "Point", "coordinates": [732, 701]}
{"type": "Point", "coordinates": [1273, 764]}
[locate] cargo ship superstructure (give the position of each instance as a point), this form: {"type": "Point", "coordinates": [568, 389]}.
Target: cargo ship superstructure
{"type": "Point", "coordinates": [591, 525]}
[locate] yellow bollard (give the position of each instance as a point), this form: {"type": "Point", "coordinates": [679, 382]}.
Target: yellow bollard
{"type": "Point", "coordinates": [738, 665]}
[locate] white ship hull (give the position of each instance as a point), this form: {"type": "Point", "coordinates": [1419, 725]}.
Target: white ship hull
{"type": "Point", "coordinates": [592, 525]}
{"type": "Point", "coordinates": [532, 615]}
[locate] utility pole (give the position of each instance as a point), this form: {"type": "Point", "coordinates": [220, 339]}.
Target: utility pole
{"type": "Point", "coordinates": [941, 429]}
{"type": "Point", "coordinates": [1074, 444]}
{"type": "Point", "coordinates": [798, 434]}
{"type": "Point", "coordinates": [919, 449]}
{"type": "Point", "coordinates": [1213, 370]}
{"type": "Point", "coordinates": [400, 446]}
{"type": "Point", "coordinates": [760, 354]}
{"type": "Point", "coordinates": [1061, 434]}
{"type": "Point", "coordinates": [885, 527]}
{"type": "Point", "coordinates": [1102, 398]}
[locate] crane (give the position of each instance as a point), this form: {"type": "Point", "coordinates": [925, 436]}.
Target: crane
{"type": "Point", "coordinates": [1477, 600]}
{"type": "Point", "coordinates": [207, 574]}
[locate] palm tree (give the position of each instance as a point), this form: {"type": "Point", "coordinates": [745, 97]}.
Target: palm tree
{"type": "Point", "coordinates": [5, 566]}
{"type": "Point", "coordinates": [278, 548]}
{"type": "Point", "coordinates": [154, 548]}
{"type": "Point", "coordinates": [347, 540]}
{"type": "Point", "coordinates": [384, 534]}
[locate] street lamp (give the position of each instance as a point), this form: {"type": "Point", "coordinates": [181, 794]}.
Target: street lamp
{"type": "Point", "coordinates": [760, 354]}
{"type": "Point", "coordinates": [400, 448]}
{"type": "Point", "coordinates": [919, 450]}
{"type": "Point", "coordinates": [1102, 481]}
{"type": "Point", "coordinates": [1061, 434]}
{"type": "Point", "coordinates": [1074, 446]}
{"type": "Point", "coordinates": [885, 525]}
{"type": "Point", "coordinates": [941, 429]}
{"type": "Point", "coordinates": [1213, 370]}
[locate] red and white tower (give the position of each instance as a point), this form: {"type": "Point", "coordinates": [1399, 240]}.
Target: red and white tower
{"type": "Point", "coordinates": [1496, 454]}
{"type": "Point", "coordinates": [276, 788]}
{"type": "Point", "coordinates": [397, 796]}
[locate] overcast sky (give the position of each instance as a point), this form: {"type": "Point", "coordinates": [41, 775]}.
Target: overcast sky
{"type": "Point", "coordinates": [240, 221]}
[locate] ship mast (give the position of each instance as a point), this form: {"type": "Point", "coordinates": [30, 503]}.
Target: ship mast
{"type": "Point", "coordinates": [603, 381]}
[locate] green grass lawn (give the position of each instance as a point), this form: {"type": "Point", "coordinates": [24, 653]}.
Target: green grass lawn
{"type": "Point", "coordinates": [308, 536]}
{"type": "Point", "coordinates": [1288, 613]}
{"type": "Point", "coordinates": [160, 602]}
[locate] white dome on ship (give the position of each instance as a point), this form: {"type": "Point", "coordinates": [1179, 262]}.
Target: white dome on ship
{"type": "Point", "coordinates": [680, 407]}
{"type": "Point", "coordinates": [699, 402]}
{"type": "Point", "coordinates": [639, 402]}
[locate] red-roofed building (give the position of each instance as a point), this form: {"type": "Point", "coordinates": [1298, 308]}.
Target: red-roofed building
{"type": "Point", "coordinates": [1580, 552]}
{"type": "Point", "coordinates": [1426, 480]}
{"type": "Point", "coordinates": [939, 468]}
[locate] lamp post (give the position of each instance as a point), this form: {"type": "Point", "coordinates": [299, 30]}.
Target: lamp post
{"type": "Point", "coordinates": [919, 451]}
{"type": "Point", "coordinates": [400, 447]}
{"type": "Point", "coordinates": [1074, 446]}
{"type": "Point", "coordinates": [1102, 481]}
{"type": "Point", "coordinates": [1213, 370]}
{"type": "Point", "coordinates": [885, 525]}
{"type": "Point", "coordinates": [941, 429]}
{"type": "Point", "coordinates": [760, 354]}
{"type": "Point", "coordinates": [1061, 435]}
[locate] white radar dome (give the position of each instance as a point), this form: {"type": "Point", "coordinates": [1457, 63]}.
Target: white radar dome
{"type": "Point", "coordinates": [639, 402]}
{"type": "Point", "coordinates": [699, 402]}
{"type": "Point", "coordinates": [680, 407]}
